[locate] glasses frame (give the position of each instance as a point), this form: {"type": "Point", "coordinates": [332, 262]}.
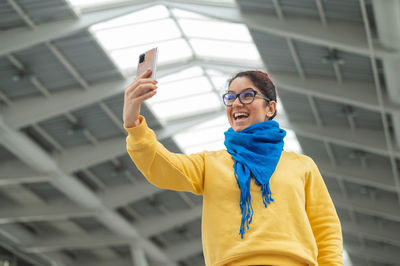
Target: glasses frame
{"type": "Point", "coordinates": [237, 95]}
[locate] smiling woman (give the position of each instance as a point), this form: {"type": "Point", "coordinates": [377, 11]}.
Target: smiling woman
{"type": "Point", "coordinates": [261, 205]}
{"type": "Point", "coordinates": [252, 107]}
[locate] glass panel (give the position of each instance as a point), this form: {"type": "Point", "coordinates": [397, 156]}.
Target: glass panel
{"type": "Point", "coordinates": [148, 14]}
{"type": "Point", "coordinates": [181, 89]}
{"type": "Point", "coordinates": [187, 92]}
{"type": "Point", "coordinates": [184, 74]}
{"type": "Point", "coordinates": [86, 3]}
{"type": "Point", "coordinates": [169, 51]}
{"type": "Point", "coordinates": [221, 49]}
{"type": "Point", "coordinates": [220, 1]}
{"type": "Point", "coordinates": [186, 106]}
{"type": "Point", "coordinates": [220, 83]}
{"type": "Point", "coordinates": [219, 79]}
{"type": "Point", "coordinates": [186, 14]}
{"type": "Point", "coordinates": [220, 30]}
{"type": "Point", "coordinates": [135, 35]}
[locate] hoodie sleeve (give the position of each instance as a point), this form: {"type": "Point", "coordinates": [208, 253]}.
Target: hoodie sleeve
{"type": "Point", "coordinates": [323, 218]}
{"type": "Point", "coordinates": [162, 168]}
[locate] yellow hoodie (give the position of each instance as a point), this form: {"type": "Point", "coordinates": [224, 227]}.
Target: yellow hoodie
{"type": "Point", "coordinates": [300, 227]}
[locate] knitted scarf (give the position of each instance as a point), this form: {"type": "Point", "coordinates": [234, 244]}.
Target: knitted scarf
{"type": "Point", "coordinates": [256, 151]}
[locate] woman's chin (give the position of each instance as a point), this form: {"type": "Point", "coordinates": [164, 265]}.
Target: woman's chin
{"type": "Point", "coordinates": [238, 128]}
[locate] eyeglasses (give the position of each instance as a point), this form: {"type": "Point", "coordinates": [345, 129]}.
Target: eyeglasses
{"type": "Point", "coordinates": [245, 97]}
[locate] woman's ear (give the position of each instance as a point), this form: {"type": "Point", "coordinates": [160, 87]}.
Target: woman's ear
{"type": "Point", "coordinates": [271, 109]}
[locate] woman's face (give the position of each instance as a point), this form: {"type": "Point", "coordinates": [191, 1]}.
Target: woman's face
{"type": "Point", "coordinates": [240, 115]}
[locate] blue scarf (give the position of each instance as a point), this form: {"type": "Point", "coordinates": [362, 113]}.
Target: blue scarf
{"type": "Point", "coordinates": [256, 151]}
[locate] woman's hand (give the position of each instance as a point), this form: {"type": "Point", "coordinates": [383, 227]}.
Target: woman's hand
{"type": "Point", "coordinates": [141, 89]}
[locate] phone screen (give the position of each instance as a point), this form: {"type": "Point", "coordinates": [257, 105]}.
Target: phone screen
{"type": "Point", "coordinates": [148, 60]}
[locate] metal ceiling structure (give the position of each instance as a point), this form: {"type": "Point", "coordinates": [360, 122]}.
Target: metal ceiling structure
{"type": "Point", "coordinates": [69, 194]}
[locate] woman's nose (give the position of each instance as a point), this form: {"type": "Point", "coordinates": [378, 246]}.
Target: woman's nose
{"type": "Point", "coordinates": [237, 102]}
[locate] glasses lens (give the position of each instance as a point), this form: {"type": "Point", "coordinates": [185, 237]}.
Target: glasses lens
{"type": "Point", "coordinates": [229, 98]}
{"type": "Point", "coordinates": [247, 96]}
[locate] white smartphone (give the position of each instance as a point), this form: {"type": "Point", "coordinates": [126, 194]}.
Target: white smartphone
{"type": "Point", "coordinates": [148, 60]}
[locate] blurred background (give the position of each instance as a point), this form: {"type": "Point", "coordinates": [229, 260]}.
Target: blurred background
{"type": "Point", "coordinates": [69, 193]}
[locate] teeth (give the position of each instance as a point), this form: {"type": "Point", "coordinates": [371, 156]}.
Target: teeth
{"type": "Point", "coordinates": [240, 114]}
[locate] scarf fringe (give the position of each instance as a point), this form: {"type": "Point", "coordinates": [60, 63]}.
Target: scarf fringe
{"type": "Point", "coordinates": [267, 196]}
{"type": "Point", "coordinates": [256, 152]}
{"type": "Point", "coordinates": [246, 208]}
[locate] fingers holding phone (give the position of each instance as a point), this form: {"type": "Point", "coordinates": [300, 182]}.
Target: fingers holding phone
{"type": "Point", "coordinates": [147, 67]}
{"type": "Point", "coordinates": [142, 88]}
{"type": "Point", "coordinates": [136, 93]}
{"type": "Point", "coordinates": [143, 85]}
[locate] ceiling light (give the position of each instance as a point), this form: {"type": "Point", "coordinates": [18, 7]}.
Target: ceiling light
{"type": "Point", "coordinates": [332, 58]}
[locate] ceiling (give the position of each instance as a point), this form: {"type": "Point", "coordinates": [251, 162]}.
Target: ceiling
{"type": "Point", "coordinates": [69, 194]}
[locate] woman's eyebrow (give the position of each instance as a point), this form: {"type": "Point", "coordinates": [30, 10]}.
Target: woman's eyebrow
{"type": "Point", "coordinates": [245, 89]}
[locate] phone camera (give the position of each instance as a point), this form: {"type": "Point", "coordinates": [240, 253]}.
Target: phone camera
{"type": "Point", "coordinates": [141, 58]}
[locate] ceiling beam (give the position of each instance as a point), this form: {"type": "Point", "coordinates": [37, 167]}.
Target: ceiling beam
{"type": "Point", "coordinates": [226, 12]}
{"type": "Point", "coordinates": [16, 40]}
{"type": "Point", "coordinates": [83, 156]}
{"type": "Point", "coordinates": [344, 36]}
{"type": "Point", "coordinates": [123, 195]}
{"type": "Point", "coordinates": [158, 225]}
{"type": "Point", "coordinates": [138, 257]}
{"type": "Point", "coordinates": [372, 232]}
{"type": "Point", "coordinates": [33, 110]}
{"type": "Point", "coordinates": [22, 14]}
{"type": "Point", "coordinates": [32, 213]}
{"type": "Point", "coordinates": [32, 155]}
{"type": "Point", "coordinates": [163, 223]}
{"type": "Point", "coordinates": [387, 19]}
{"type": "Point", "coordinates": [104, 262]}
{"type": "Point", "coordinates": [193, 247]}
{"type": "Point", "coordinates": [185, 249]}
{"type": "Point", "coordinates": [355, 93]}
{"type": "Point", "coordinates": [76, 242]}
{"type": "Point", "coordinates": [371, 253]}
{"type": "Point", "coordinates": [372, 141]}
{"type": "Point", "coordinates": [32, 259]}
{"type": "Point", "coordinates": [394, 15]}
{"type": "Point", "coordinates": [38, 109]}
{"type": "Point", "coordinates": [176, 252]}
{"type": "Point", "coordinates": [16, 172]}
{"type": "Point", "coordinates": [382, 208]}
{"type": "Point", "coordinates": [380, 177]}
{"type": "Point", "coordinates": [147, 228]}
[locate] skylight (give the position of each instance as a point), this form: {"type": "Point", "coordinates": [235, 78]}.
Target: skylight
{"type": "Point", "coordinates": [87, 3]}
{"type": "Point", "coordinates": [182, 37]}
{"type": "Point", "coordinates": [81, 4]}
{"type": "Point", "coordinates": [179, 35]}
{"type": "Point", "coordinates": [225, 50]}
{"type": "Point", "coordinates": [224, 31]}
{"type": "Point", "coordinates": [170, 51]}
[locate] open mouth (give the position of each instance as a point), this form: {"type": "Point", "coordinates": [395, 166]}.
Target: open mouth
{"type": "Point", "coordinates": [240, 116]}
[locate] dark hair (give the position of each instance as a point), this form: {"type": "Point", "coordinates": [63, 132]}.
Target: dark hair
{"type": "Point", "coordinates": [262, 82]}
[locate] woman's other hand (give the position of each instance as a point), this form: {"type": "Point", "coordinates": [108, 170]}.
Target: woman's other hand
{"type": "Point", "coordinates": [142, 88]}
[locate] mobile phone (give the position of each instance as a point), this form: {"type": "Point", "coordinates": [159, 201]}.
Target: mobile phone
{"type": "Point", "coordinates": [148, 60]}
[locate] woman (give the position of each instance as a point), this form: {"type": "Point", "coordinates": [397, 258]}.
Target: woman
{"type": "Point", "coordinates": [261, 205]}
